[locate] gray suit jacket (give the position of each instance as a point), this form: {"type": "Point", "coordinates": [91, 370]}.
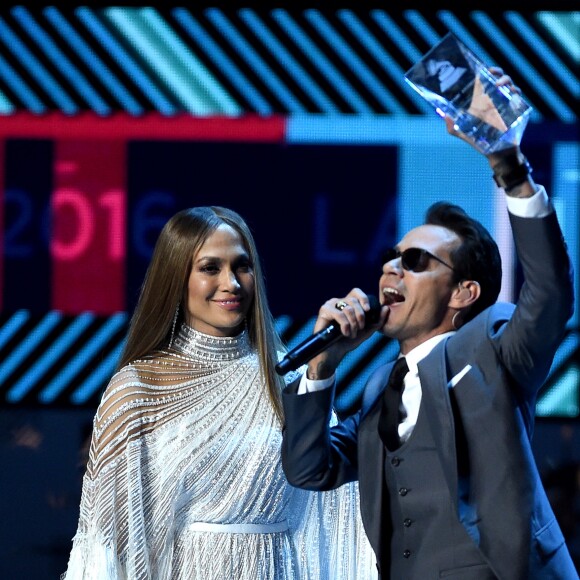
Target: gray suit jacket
{"type": "Point", "coordinates": [503, 356]}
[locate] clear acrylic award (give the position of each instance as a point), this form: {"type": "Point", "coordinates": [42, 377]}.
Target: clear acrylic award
{"type": "Point", "coordinates": [458, 84]}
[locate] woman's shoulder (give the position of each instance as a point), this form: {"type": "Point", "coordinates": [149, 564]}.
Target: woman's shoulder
{"type": "Point", "coordinates": [146, 378]}
{"type": "Point", "coordinates": [142, 373]}
{"type": "Point", "coordinates": [127, 391]}
{"type": "Point", "coordinates": [127, 379]}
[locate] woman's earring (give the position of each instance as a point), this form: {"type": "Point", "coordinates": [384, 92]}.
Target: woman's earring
{"type": "Point", "coordinates": [174, 325]}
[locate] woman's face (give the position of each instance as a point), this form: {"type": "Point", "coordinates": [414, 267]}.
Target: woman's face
{"type": "Point", "coordinates": [221, 285]}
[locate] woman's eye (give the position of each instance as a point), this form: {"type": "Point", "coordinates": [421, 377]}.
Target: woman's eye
{"type": "Point", "coordinates": [209, 269]}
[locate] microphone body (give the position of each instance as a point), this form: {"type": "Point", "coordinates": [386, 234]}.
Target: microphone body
{"type": "Point", "coordinates": [320, 341]}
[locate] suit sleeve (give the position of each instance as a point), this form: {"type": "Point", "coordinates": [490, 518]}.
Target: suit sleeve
{"type": "Point", "coordinates": [315, 455]}
{"type": "Point", "coordinates": [545, 302]}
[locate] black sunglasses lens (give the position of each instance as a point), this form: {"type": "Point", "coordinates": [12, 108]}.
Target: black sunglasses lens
{"type": "Point", "coordinates": [414, 259]}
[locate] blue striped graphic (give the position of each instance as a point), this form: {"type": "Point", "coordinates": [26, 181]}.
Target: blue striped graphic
{"type": "Point", "coordinates": [382, 57]}
{"type": "Point", "coordinates": [458, 28]}
{"type": "Point", "coordinates": [391, 29]}
{"type": "Point", "coordinates": [284, 57]}
{"type": "Point", "coordinates": [33, 65]}
{"type": "Point", "coordinates": [565, 350]}
{"type": "Point", "coordinates": [138, 76]}
{"type": "Point", "coordinates": [229, 69]}
{"type": "Point", "coordinates": [245, 50]}
{"type": "Point", "coordinates": [353, 61]}
{"type": "Point", "coordinates": [61, 61]}
{"type": "Point", "coordinates": [60, 382]}
{"type": "Point", "coordinates": [50, 357]}
{"type": "Point", "coordinates": [20, 88]}
{"type": "Point", "coordinates": [304, 332]}
{"type": "Point", "coordinates": [6, 106]}
{"type": "Point", "coordinates": [518, 61]}
{"type": "Point", "coordinates": [25, 347]}
{"type": "Point", "coordinates": [93, 61]}
{"type": "Point", "coordinates": [155, 65]}
{"type": "Point", "coordinates": [566, 198]}
{"type": "Point", "coordinates": [155, 52]}
{"type": "Point", "coordinates": [13, 325]}
{"type": "Point", "coordinates": [98, 377]}
{"type": "Point", "coordinates": [554, 22]}
{"type": "Point", "coordinates": [429, 34]}
{"type": "Point", "coordinates": [352, 359]}
{"type": "Point", "coordinates": [561, 399]}
{"type": "Point", "coordinates": [544, 52]}
{"type": "Point", "coordinates": [282, 324]}
{"type": "Point", "coordinates": [354, 389]}
{"type": "Point", "coordinates": [190, 78]}
{"type": "Point", "coordinates": [310, 50]}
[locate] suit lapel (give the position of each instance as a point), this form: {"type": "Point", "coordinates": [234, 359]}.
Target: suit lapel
{"type": "Point", "coordinates": [435, 398]}
{"type": "Point", "coordinates": [371, 469]}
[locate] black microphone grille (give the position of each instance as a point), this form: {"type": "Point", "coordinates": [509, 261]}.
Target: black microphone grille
{"type": "Point", "coordinates": [374, 313]}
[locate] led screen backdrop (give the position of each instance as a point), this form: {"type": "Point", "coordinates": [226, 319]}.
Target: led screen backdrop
{"type": "Point", "coordinates": [113, 118]}
{"type": "Point", "coordinates": [79, 229]}
{"type": "Point", "coordinates": [86, 219]}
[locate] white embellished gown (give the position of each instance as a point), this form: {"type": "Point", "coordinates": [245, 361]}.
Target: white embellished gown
{"type": "Point", "coordinates": [184, 480]}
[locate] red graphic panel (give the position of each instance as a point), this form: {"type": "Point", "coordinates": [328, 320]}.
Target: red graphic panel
{"type": "Point", "coordinates": [89, 125]}
{"type": "Point", "coordinates": [88, 242]}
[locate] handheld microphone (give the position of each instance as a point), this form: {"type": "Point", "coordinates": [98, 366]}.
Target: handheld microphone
{"type": "Point", "coordinates": [321, 340]}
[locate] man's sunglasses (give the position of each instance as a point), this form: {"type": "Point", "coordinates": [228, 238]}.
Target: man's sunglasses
{"type": "Point", "coordinates": [413, 259]}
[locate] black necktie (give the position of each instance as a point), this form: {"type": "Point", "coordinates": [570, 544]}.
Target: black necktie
{"type": "Point", "coordinates": [390, 414]}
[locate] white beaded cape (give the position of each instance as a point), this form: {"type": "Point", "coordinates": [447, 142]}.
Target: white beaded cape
{"type": "Point", "coordinates": [184, 480]}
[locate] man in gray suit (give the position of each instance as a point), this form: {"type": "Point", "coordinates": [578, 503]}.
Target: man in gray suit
{"type": "Point", "coordinates": [448, 483]}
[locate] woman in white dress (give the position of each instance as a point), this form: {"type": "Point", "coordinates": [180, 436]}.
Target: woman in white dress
{"type": "Point", "coordinates": [184, 477]}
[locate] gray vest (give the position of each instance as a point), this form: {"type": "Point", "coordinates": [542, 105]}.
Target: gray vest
{"type": "Point", "coordinates": [427, 536]}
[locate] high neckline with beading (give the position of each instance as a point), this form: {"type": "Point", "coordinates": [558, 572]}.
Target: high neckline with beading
{"type": "Point", "coordinates": [195, 344]}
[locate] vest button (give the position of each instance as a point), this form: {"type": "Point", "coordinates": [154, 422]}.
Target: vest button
{"type": "Point", "coordinates": [406, 553]}
{"type": "Point", "coordinates": [403, 491]}
{"type": "Point", "coordinates": [407, 522]}
{"type": "Point", "coordinates": [395, 461]}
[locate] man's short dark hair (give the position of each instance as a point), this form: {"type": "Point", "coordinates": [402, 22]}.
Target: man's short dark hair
{"type": "Point", "coordinates": [477, 258]}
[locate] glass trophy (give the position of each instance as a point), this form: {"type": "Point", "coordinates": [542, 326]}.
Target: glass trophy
{"type": "Point", "coordinates": [459, 84]}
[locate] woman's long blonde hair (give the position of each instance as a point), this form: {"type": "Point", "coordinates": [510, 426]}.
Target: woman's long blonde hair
{"type": "Point", "coordinates": [164, 291]}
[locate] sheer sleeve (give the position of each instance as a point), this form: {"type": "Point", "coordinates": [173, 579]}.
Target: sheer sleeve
{"type": "Point", "coordinates": [117, 509]}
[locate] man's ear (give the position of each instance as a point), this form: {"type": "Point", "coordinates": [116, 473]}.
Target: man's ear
{"type": "Point", "coordinates": [465, 294]}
